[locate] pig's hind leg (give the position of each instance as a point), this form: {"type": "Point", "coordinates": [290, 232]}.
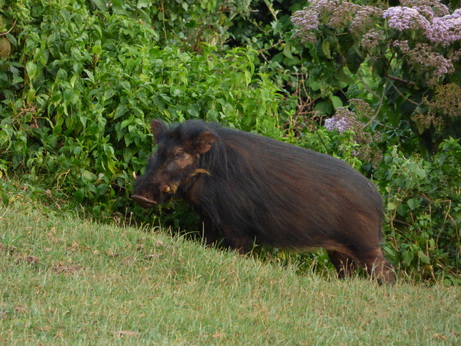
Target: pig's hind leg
{"type": "Point", "coordinates": [345, 265]}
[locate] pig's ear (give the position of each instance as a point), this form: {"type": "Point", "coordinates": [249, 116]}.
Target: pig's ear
{"type": "Point", "coordinates": [204, 141]}
{"type": "Point", "coordinates": [157, 127]}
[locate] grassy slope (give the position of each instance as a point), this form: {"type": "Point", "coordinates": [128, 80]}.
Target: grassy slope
{"type": "Point", "coordinates": [65, 280]}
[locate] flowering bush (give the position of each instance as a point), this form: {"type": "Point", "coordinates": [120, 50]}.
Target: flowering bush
{"type": "Point", "coordinates": [408, 51]}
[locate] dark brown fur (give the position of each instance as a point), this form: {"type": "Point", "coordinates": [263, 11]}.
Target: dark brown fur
{"type": "Point", "coordinates": [247, 187]}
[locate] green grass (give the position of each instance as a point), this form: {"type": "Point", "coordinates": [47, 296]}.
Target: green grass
{"type": "Point", "coordinates": [65, 280]}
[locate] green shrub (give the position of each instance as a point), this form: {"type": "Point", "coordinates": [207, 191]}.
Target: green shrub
{"type": "Point", "coordinates": [423, 202]}
{"type": "Point", "coordinates": [79, 118]}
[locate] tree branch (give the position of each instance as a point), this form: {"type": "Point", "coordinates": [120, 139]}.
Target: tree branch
{"type": "Point", "coordinates": [397, 79]}
{"type": "Point", "coordinates": [6, 33]}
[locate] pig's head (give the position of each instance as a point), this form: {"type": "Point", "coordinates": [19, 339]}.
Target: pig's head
{"type": "Point", "coordinates": [175, 163]}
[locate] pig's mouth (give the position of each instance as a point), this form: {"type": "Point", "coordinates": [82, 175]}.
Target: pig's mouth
{"type": "Point", "coordinates": [144, 201]}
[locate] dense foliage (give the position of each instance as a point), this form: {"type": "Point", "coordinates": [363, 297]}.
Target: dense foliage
{"type": "Point", "coordinates": [373, 83]}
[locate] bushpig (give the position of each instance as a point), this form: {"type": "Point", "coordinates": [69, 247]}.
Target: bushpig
{"type": "Point", "coordinates": [248, 188]}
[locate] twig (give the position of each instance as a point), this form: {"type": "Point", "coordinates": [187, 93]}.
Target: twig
{"type": "Point", "coordinates": [397, 79]}
{"type": "Point", "coordinates": [268, 48]}
{"type": "Point", "coordinates": [6, 33]}
{"type": "Point", "coordinates": [379, 107]}
{"type": "Point", "coordinates": [381, 98]}
{"type": "Point", "coordinates": [405, 97]}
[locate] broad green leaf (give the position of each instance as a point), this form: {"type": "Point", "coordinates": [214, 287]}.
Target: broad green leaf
{"type": "Point", "coordinates": [336, 101]}
{"type": "Point", "coordinates": [97, 49]}
{"type": "Point", "coordinates": [68, 96]}
{"type": "Point", "coordinates": [61, 75]}
{"type": "Point", "coordinates": [125, 123]}
{"type": "Point", "coordinates": [247, 77]}
{"type": "Point", "coordinates": [287, 51]}
{"type": "Point", "coordinates": [326, 49]}
{"type": "Point", "coordinates": [56, 98]}
{"type": "Point", "coordinates": [100, 4]}
{"type": "Point", "coordinates": [324, 107]}
{"type": "Point", "coordinates": [31, 68]}
{"type": "Point", "coordinates": [413, 203]}
{"type": "Point", "coordinates": [31, 95]}
{"type": "Point", "coordinates": [314, 85]}
{"type": "Point", "coordinates": [143, 3]}
{"type": "Point", "coordinates": [17, 79]}
{"type": "Point", "coordinates": [121, 110]}
{"type": "Point", "coordinates": [87, 175]}
{"type": "Point", "coordinates": [424, 258]}
{"type": "Point", "coordinates": [421, 172]}
{"type": "Point", "coordinates": [79, 194]}
{"type": "Point", "coordinates": [341, 76]}
{"type": "Point", "coordinates": [90, 75]}
{"type": "Point", "coordinates": [391, 206]}
{"type": "Point", "coordinates": [158, 102]}
{"type": "Point", "coordinates": [407, 257]}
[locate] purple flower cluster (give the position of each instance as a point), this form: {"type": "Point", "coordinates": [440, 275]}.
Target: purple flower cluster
{"type": "Point", "coordinates": [345, 120]}
{"type": "Point", "coordinates": [428, 7]}
{"type": "Point", "coordinates": [455, 56]}
{"type": "Point", "coordinates": [371, 39]}
{"type": "Point", "coordinates": [340, 124]}
{"type": "Point", "coordinates": [403, 18]}
{"type": "Point", "coordinates": [335, 14]}
{"type": "Point", "coordinates": [425, 58]}
{"type": "Point", "coordinates": [306, 21]}
{"type": "Point", "coordinates": [363, 17]}
{"type": "Point", "coordinates": [446, 29]}
{"type": "Point", "coordinates": [430, 16]}
{"type": "Point", "coordinates": [341, 121]}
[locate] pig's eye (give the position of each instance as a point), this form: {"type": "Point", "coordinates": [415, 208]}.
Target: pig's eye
{"type": "Point", "coordinates": [178, 155]}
